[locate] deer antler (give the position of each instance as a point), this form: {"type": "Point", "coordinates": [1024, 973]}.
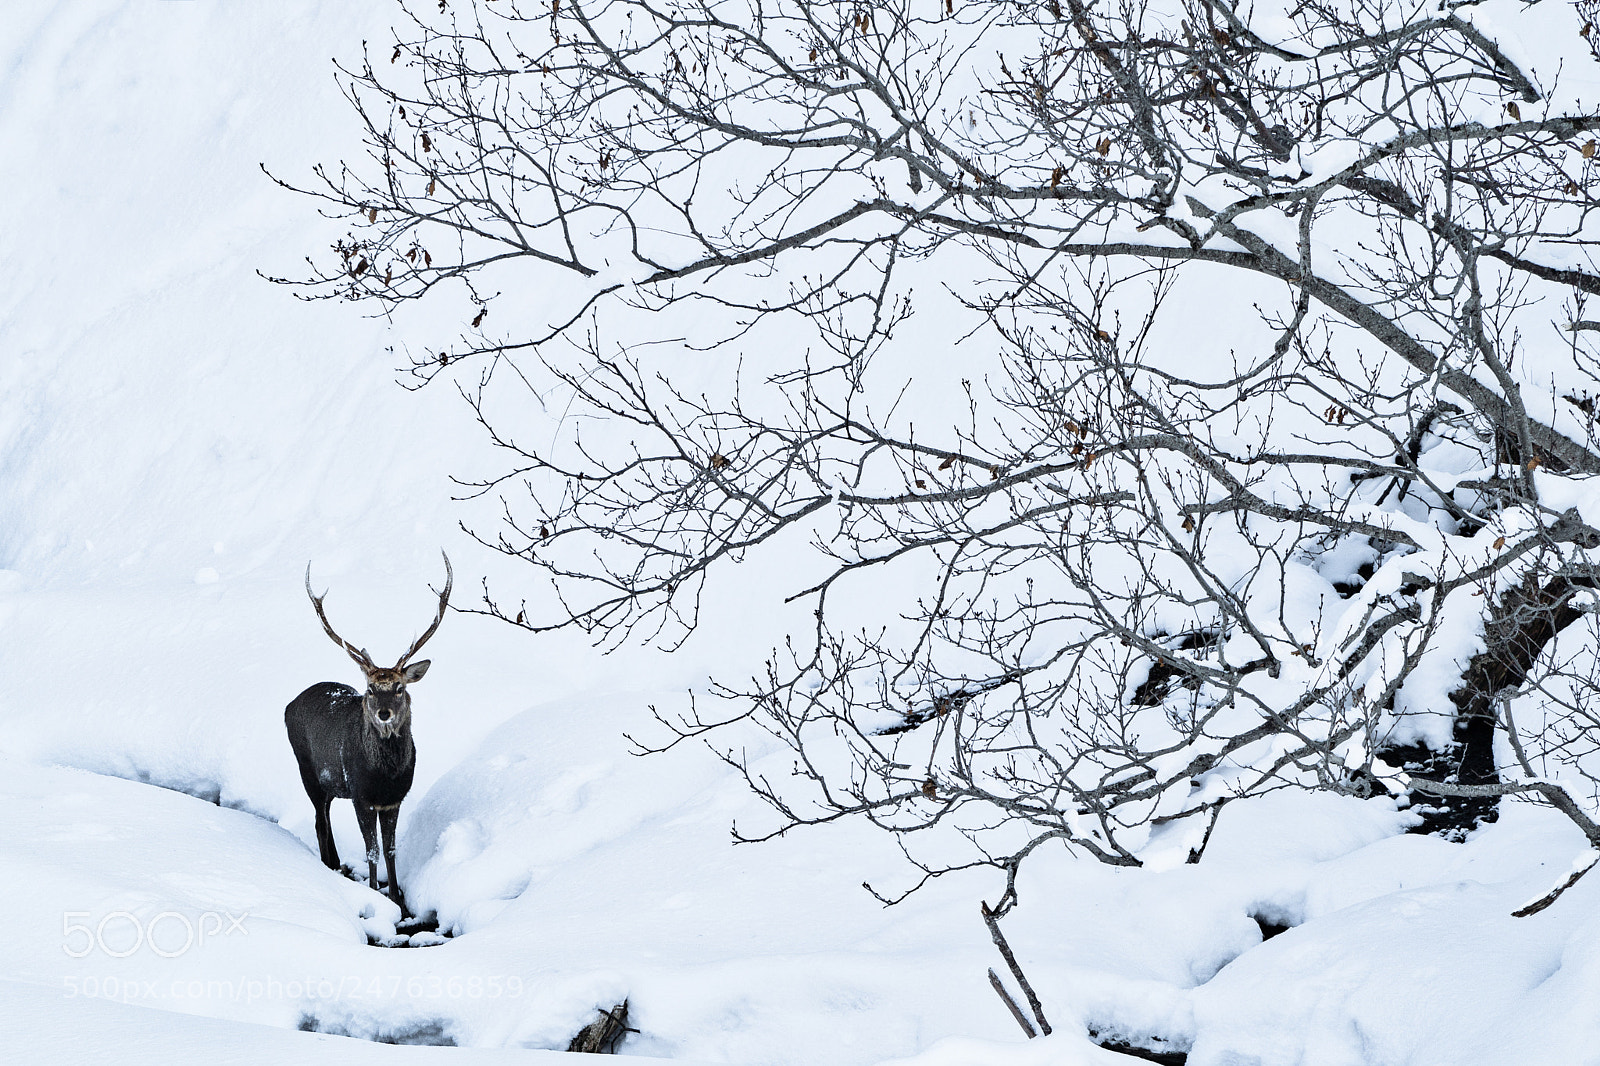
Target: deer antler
{"type": "Point", "coordinates": [361, 657]}
{"type": "Point", "coordinates": [444, 601]}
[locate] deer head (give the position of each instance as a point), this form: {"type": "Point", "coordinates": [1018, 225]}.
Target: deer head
{"type": "Point", "coordinates": [386, 705]}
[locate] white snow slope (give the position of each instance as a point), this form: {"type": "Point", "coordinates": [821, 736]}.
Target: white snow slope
{"type": "Point", "coordinates": [178, 437]}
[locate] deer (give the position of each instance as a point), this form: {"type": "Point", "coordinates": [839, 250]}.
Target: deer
{"type": "Point", "coordinates": [358, 746]}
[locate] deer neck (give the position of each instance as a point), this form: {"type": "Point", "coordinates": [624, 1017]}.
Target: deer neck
{"type": "Point", "coordinates": [391, 752]}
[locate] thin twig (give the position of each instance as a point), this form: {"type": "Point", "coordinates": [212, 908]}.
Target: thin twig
{"type": "Point", "coordinates": [1583, 866]}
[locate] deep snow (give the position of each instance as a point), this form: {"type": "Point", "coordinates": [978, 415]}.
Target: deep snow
{"type": "Point", "coordinates": [178, 438]}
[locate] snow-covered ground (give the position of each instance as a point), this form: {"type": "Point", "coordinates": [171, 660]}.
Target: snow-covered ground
{"type": "Point", "coordinates": [178, 437]}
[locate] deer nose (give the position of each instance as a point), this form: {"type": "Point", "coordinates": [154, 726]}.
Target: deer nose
{"type": "Point", "coordinates": [383, 714]}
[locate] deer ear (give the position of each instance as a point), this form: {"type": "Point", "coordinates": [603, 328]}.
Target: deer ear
{"type": "Point", "coordinates": [415, 671]}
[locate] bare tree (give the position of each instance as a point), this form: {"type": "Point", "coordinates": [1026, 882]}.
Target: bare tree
{"type": "Point", "coordinates": [1160, 401]}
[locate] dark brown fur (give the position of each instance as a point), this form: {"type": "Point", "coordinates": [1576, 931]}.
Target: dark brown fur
{"type": "Point", "coordinates": [358, 746]}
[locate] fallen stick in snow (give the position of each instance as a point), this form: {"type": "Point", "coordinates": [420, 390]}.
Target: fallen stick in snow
{"type": "Point", "coordinates": [1011, 1004]}
{"type": "Point", "coordinates": [601, 1036]}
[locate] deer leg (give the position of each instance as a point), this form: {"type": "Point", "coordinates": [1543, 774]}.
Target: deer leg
{"type": "Point", "coordinates": [320, 802]}
{"type": "Point", "coordinates": [387, 817]}
{"type": "Point", "coordinates": [368, 819]}
{"type": "Point", "coordinates": [325, 845]}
